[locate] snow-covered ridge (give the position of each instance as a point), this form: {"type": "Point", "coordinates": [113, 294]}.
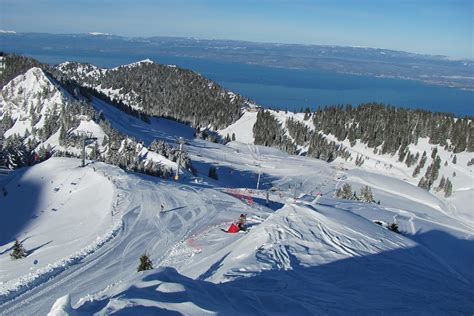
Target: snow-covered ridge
{"type": "Point", "coordinates": [32, 98]}
{"type": "Point", "coordinates": [29, 93]}
{"type": "Point", "coordinates": [78, 71]}
{"type": "Point", "coordinates": [135, 64]}
{"type": "Point", "coordinates": [84, 70]}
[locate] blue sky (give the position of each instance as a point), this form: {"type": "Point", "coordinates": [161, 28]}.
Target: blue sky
{"type": "Point", "coordinates": [442, 27]}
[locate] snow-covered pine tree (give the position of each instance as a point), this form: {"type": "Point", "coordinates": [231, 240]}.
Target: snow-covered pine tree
{"type": "Point", "coordinates": [18, 251]}
{"type": "Point", "coordinates": [366, 194]}
{"type": "Point", "coordinates": [345, 192]}
{"type": "Point", "coordinates": [145, 263]}
{"type": "Point", "coordinates": [442, 184]}
{"type": "Point", "coordinates": [448, 188]}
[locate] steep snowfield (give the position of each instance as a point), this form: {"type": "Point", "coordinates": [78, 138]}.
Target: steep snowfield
{"type": "Point", "coordinates": [27, 93]}
{"type": "Point", "coordinates": [242, 128]}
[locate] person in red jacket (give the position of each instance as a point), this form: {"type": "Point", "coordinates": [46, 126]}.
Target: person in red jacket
{"type": "Point", "coordinates": [242, 222]}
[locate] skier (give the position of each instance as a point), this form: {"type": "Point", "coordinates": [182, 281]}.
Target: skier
{"type": "Point", "coordinates": [162, 206]}
{"type": "Point", "coordinates": [241, 225]}
{"type": "Point", "coordinates": [242, 222]}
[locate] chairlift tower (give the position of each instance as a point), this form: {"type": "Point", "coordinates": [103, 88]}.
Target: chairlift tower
{"type": "Point", "coordinates": [85, 137]}
{"type": "Point", "coordinates": [181, 141]}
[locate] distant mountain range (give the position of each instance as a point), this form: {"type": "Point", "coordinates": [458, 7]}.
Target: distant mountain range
{"type": "Point", "coordinates": [439, 70]}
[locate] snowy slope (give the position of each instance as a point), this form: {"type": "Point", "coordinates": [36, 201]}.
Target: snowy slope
{"type": "Point", "coordinates": [57, 210]}
{"type": "Point", "coordinates": [242, 128]}
{"type": "Point", "coordinates": [306, 252]}
{"type": "Point", "coordinates": [460, 174]}
{"type": "Point", "coordinates": [310, 256]}
{"type": "Point", "coordinates": [302, 259]}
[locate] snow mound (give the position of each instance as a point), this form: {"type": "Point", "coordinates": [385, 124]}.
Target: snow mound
{"type": "Point", "coordinates": [302, 259]}
{"type": "Point", "coordinates": [297, 234]}
{"type": "Point", "coordinates": [48, 206]}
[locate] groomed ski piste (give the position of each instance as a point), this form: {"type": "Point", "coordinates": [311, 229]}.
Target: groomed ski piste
{"type": "Point", "coordinates": [306, 252]}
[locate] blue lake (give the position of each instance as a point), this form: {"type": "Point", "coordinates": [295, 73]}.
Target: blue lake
{"type": "Point", "coordinates": [294, 89]}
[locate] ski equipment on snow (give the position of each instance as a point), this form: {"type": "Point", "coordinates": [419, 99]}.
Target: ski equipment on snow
{"type": "Point", "coordinates": [233, 229]}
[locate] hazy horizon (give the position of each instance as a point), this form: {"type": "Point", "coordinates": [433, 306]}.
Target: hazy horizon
{"type": "Point", "coordinates": [423, 27]}
{"type": "Point", "coordinates": [97, 33]}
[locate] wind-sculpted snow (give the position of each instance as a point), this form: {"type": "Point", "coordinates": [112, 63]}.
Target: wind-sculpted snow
{"type": "Point", "coordinates": [303, 259]}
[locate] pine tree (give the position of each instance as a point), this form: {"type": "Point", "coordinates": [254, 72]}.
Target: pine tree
{"type": "Point", "coordinates": [448, 188]}
{"type": "Point", "coordinates": [18, 251]}
{"type": "Point", "coordinates": [366, 194]}
{"type": "Point", "coordinates": [442, 184]}
{"type": "Point", "coordinates": [345, 192]}
{"type": "Point", "coordinates": [233, 137]}
{"type": "Point", "coordinates": [62, 136]}
{"type": "Point", "coordinates": [307, 114]}
{"type": "Point", "coordinates": [145, 263]}
{"type": "Point", "coordinates": [416, 172]}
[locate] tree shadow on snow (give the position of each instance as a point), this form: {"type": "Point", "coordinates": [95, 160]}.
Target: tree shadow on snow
{"type": "Point", "coordinates": [233, 178]}
{"type": "Point", "coordinates": [31, 251]}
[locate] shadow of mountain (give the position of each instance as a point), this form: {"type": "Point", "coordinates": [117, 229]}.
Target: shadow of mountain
{"type": "Point", "coordinates": [402, 281]}
{"type": "Point", "coordinates": [455, 254]}
{"type": "Point", "coordinates": [18, 206]}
